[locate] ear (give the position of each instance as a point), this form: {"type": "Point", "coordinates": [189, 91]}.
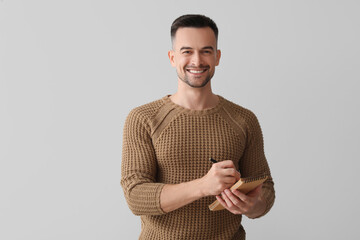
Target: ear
{"type": "Point", "coordinates": [218, 55]}
{"type": "Point", "coordinates": [171, 55]}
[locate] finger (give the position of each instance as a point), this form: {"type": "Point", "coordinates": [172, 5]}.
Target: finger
{"type": "Point", "coordinates": [228, 202]}
{"type": "Point", "coordinates": [231, 172]}
{"type": "Point", "coordinates": [226, 164]}
{"type": "Point", "coordinates": [234, 199]}
{"type": "Point", "coordinates": [238, 176]}
{"type": "Point", "coordinates": [240, 195]}
{"type": "Point", "coordinates": [229, 180]}
{"type": "Point", "coordinates": [221, 201]}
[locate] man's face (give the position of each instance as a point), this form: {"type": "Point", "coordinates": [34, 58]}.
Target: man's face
{"type": "Point", "coordinates": [195, 55]}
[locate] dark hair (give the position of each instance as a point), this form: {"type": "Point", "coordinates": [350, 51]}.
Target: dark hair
{"type": "Point", "coordinates": [193, 20]}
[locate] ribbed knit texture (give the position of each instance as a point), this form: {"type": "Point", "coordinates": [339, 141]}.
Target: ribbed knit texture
{"type": "Point", "coordinates": [164, 143]}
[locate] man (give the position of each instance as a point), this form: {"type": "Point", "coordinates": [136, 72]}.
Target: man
{"type": "Point", "coordinates": [167, 177]}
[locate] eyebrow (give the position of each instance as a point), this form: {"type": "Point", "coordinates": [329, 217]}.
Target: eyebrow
{"type": "Point", "coordinates": [206, 47]}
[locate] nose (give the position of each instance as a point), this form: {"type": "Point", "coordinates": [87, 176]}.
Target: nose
{"type": "Point", "coordinates": [196, 59]}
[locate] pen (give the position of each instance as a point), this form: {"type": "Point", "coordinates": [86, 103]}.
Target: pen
{"type": "Point", "coordinates": [213, 160]}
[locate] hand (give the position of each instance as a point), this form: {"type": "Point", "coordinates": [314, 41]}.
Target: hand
{"type": "Point", "coordinates": [221, 176]}
{"type": "Point", "coordinates": [251, 204]}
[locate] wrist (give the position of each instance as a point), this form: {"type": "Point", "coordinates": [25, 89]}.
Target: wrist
{"type": "Point", "coordinates": [199, 188]}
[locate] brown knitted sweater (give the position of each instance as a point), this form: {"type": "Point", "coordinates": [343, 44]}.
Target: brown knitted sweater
{"type": "Point", "coordinates": [164, 143]}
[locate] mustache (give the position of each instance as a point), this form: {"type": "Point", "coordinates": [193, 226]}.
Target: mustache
{"type": "Point", "coordinates": [197, 67]}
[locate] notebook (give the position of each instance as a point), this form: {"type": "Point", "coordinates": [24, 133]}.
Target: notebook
{"type": "Point", "coordinates": [244, 185]}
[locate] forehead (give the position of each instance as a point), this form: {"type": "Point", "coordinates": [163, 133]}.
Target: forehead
{"type": "Point", "coordinates": [194, 37]}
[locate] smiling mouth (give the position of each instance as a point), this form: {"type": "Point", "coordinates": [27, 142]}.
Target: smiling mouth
{"type": "Point", "coordinates": [196, 71]}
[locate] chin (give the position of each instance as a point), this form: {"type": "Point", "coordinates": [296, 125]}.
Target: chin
{"type": "Point", "coordinates": [198, 85]}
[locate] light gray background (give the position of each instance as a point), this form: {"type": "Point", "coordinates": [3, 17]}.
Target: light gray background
{"type": "Point", "coordinates": [70, 72]}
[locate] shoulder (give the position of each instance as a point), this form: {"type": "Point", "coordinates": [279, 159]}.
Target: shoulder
{"type": "Point", "coordinates": [239, 112]}
{"type": "Point", "coordinates": [245, 117]}
{"type": "Point", "coordinates": [146, 112]}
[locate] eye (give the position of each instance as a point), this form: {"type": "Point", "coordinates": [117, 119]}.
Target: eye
{"type": "Point", "coordinates": [186, 52]}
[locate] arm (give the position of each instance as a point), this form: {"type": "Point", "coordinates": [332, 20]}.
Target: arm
{"type": "Point", "coordinates": [221, 176]}
{"type": "Point", "coordinates": [253, 163]}
{"type": "Point", "coordinates": [139, 167]}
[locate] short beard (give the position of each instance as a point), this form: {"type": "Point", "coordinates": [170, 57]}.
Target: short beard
{"type": "Point", "coordinates": [186, 80]}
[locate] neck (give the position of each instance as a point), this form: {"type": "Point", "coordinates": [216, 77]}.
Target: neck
{"type": "Point", "coordinates": [194, 98]}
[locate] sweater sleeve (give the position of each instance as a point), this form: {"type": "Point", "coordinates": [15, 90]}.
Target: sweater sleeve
{"type": "Point", "coordinates": [253, 162]}
{"type": "Point", "coordinates": [139, 167]}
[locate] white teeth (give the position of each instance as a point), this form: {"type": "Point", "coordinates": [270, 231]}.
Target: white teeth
{"type": "Point", "coordinates": [193, 71]}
